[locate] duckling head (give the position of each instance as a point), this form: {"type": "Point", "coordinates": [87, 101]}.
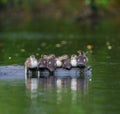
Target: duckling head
{"type": "Point", "coordinates": [63, 57]}
{"type": "Point", "coordinates": [44, 56]}
{"type": "Point", "coordinates": [82, 60]}
{"type": "Point", "coordinates": [73, 60]}
{"type": "Point", "coordinates": [67, 64]}
{"type": "Point", "coordinates": [32, 56]}
{"type": "Point", "coordinates": [58, 62]}
{"type": "Point", "coordinates": [51, 63]}
{"type": "Point", "coordinates": [43, 61]}
{"type": "Point", "coordinates": [33, 62]}
{"type": "Point", "coordinates": [51, 56]}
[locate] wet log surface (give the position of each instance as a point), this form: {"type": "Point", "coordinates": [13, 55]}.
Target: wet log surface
{"type": "Point", "coordinates": [12, 72]}
{"type": "Point", "coordinates": [18, 72]}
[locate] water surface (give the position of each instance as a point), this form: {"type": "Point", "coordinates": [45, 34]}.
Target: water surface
{"type": "Point", "coordinates": [61, 96]}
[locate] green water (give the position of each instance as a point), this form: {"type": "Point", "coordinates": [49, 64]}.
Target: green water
{"type": "Point", "coordinates": [47, 96]}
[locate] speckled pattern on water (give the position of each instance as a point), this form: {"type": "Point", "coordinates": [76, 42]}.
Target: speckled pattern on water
{"type": "Point", "coordinates": [68, 95]}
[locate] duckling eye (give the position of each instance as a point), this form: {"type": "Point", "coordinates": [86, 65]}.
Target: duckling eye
{"type": "Point", "coordinates": [84, 60]}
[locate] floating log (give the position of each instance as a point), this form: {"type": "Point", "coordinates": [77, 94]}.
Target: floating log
{"type": "Point", "coordinates": [12, 72]}
{"type": "Point", "coordinates": [18, 72]}
{"type": "Point", "coordinates": [61, 72]}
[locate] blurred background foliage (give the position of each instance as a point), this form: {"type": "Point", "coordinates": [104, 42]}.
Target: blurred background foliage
{"type": "Point", "coordinates": [53, 21]}
{"type": "Point", "coordinates": [58, 9]}
{"type": "Point", "coordinates": [22, 13]}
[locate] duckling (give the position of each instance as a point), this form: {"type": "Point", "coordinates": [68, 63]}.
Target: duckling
{"type": "Point", "coordinates": [58, 62]}
{"type": "Point", "coordinates": [63, 57]}
{"type": "Point", "coordinates": [51, 62]}
{"type": "Point", "coordinates": [31, 62]}
{"type": "Point", "coordinates": [51, 56]}
{"type": "Point", "coordinates": [66, 62]}
{"type": "Point", "coordinates": [42, 63]}
{"type": "Point", "coordinates": [82, 59]}
{"type": "Point", "coordinates": [73, 60]}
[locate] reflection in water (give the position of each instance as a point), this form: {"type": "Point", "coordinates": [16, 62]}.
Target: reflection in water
{"type": "Point", "coordinates": [59, 90]}
{"type": "Point", "coordinates": [62, 86]}
{"type": "Point", "coordinates": [74, 84]}
{"type": "Point", "coordinates": [32, 85]}
{"type": "Point", "coordinates": [74, 88]}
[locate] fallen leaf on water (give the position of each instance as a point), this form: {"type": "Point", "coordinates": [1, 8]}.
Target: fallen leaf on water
{"type": "Point", "coordinates": [109, 47]}
{"type": "Point", "coordinates": [107, 43]}
{"type": "Point", "coordinates": [89, 46]}
{"type": "Point", "coordinates": [57, 45]}
{"type": "Point", "coordinates": [37, 54]}
{"type": "Point", "coordinates": [22, 50]}
{"type": "Point", "coordinates": [9, 58]}
{"type": "Point", "coordinates": [43, 44]}
{"type": "Point", "coordinates": [63, 42]}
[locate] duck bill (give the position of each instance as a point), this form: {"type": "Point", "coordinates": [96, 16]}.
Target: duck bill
{"type": "Point", "coordinates": [81, 65]}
